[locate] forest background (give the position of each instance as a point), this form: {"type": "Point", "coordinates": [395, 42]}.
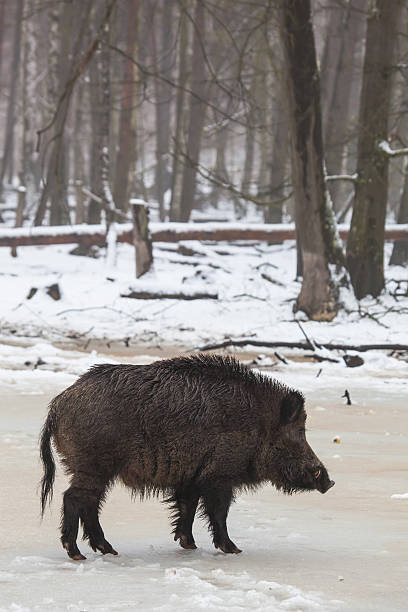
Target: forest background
{"type": "Point", "coordinates": [279, 111]}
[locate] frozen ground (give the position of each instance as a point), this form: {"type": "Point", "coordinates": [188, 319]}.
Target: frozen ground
{"type": "Point", "coordinates": [345, 550]}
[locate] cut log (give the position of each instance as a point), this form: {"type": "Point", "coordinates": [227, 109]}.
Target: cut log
{"type": "Point", "coordinates": [166, 232]}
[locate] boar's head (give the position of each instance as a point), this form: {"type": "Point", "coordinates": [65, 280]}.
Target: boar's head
{"type": "Point", "coordinates": [295, 466]}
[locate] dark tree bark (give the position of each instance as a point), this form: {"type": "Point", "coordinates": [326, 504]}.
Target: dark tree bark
{"type": "Point", "coordinates": [399, 255]}
{"type": "Point", "coordinates": [163, 59]}
{"type": "Point", "coordinates": [365, 246]}
{"type": "Point", "coordinates": [96, 110]}
{"type": "Point", "coordinates": [197, 111]}
{"type": "Point", "coordinates": [181, 110]}
{"type": "Point", "coordinates": [318, 295]}
{"type": "Point", "coordinates": [345, 32]}
{"type": "Point", "coordinates": [6, 161]}
{"type": "Point", "coordinates": [79, 157]}
{"type": "Point", "coordinates": [277, 165]}
{"type": "Point", "coordinates": [2, 28]}
{"type": "Point", "coordinates": [126, 156]}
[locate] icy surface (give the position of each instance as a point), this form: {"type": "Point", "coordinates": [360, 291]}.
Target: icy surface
{"type": "Point", "coordinates": [342, 551]}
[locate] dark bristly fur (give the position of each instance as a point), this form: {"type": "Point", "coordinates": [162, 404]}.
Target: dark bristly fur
{"type": "Point", "coordinates": [198, 429]}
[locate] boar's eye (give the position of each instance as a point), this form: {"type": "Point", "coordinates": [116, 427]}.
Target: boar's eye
{"type": "Point", "coordinates": [317, 473]}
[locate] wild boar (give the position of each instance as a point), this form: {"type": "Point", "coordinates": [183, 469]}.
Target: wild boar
{"type": "Point", "coordinates": [198, 429]}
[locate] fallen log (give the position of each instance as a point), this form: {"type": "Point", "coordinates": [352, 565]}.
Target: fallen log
{"type": "Point", "coordinates": [166, 232]}
{"type": "Point", "coordinates": [307, 346]}
{"type": "Point", "coordinates": [169, 295]}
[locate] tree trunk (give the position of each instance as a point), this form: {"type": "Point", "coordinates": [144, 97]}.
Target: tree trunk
{"type": "Point", "coordinates": [196, 114]}
{"type": "Point", "coordinates": [95, 101]}
{"type": "Point", "coordinates": [59, 211]}
{"type": "Point", "coordinates": [365, 246]}
{"type": "Point", "coordinates": [179, 135]}
{"type": "Point", "coordinates": [79, 158]}
{"type": "Point", "coordinates": [2, 28]}
{"type": "Point", "coordinates": [127, 134]}
{"type": "Point", "coordinates": [345, 31]}
{"type": "Point", "coordinates": [277, 165]}
{"type": "Point", "coordinates": [30, 170]}
{"type": "Point", "coordinates": [163, 58]}
{"type": "Point", "coordinates": [6, 161]}
{"type": "Point", "coordinates": [318, 295]}
{"type": "Point", "coordinates": [68, 71]}
{"type": "Point", "coordinates": [399, 255]}
{"type": "Point", "coordinates": [252, 122]}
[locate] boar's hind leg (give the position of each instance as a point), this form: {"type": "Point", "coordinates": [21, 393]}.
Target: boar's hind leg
{"type": "Point", "coordinates": [216, 503]}
{"type": "Point", "coordinates": [184, 507]}
{"type": "Point", "coordinates": [82, 501]}
{"type": "Point", "coordinates": [92, 529]}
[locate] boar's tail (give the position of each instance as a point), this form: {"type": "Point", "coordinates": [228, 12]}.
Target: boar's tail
{"type": "Point", "coordinates": [47, 481]}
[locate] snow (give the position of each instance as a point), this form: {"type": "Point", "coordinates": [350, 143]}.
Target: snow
{"type": "Point", "coordinates": [385, 147]}
{"type": "Point", "coordinates": [150, 586]}
{"type": "Point", "coordinates": [11, 232]}
{"type": "Point", "coordinates": [248, 306]}
{"type": "Point", "coordinates": [155, 227]}
{"type": "Point", "coordinates": [301, 554]}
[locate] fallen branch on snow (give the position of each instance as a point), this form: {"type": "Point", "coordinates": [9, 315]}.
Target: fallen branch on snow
{"type": "Point", "coordinates": [302, 345]}
{"type": "Point", "coordinates": [172, 295]}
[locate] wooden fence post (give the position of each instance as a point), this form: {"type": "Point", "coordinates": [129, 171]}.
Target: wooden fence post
{"type": "Point", "coordinates": [141, 236]}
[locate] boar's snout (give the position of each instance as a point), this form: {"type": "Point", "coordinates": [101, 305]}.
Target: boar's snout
{"type": "Point", "coordinates": [323, 482]}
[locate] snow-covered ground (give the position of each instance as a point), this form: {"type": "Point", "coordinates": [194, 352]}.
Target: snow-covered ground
{"type": "Point", "coordinates": [342, 551]}
{"type": "Point", "coordinates": [255, 283]}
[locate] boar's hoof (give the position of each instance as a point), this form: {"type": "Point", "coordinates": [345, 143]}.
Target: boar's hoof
{"type": "Point", "coordinates": [79, 557]}
{"type": "Point", "coordinates": [103, 547]}
{"type": "Point", "coordinates": [73, 551]}
{"type": "Point", "coordinates": [227, 546]}
{"type": "Point", "coordinates": [186, 541]}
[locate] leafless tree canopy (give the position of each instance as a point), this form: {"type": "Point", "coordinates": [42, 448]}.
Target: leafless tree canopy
{"type": "Point", "coordinates": [191, 104]}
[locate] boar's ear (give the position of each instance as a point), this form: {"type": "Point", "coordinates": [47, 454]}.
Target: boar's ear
{"type": "Point", "coordinates": [291, 407]}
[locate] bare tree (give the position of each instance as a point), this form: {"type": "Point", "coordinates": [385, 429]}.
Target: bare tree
{"type": "Point", "coordinates": [163, 57]}
{"type": "Point", "coordinates": [197, 110]}
{"type": "Point", "coordinates": [318, 295]}
{"type": "Point", "coordinates": [6, 161]}
{"type": "Point", "coordinates": [126, 148]}
{"type": "Point", "coordinates": [365, 245]}
{"type": "Point", "coordinates": [180, 127]}
{"type": "Point", "coordinates": [340, 63]}
{"type": "Point", "coordinates": [399, 256]}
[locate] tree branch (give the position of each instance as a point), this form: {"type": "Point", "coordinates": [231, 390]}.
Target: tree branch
{"type": "Point", "coordinates": [302, 345]}
{"type": "Point", "coordinates": [385, 148]}
{"type": "Point", "coordinates": [78, 70]}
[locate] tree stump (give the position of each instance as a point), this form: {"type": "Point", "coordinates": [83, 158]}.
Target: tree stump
{"type": "Point", "coordinates": [141, 237]}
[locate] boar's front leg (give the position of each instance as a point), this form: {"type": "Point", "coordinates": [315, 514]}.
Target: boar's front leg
{"type": "Point", "coordinates": [216, 503]}
{"type": "Point", "coordinates": [185, 505]}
